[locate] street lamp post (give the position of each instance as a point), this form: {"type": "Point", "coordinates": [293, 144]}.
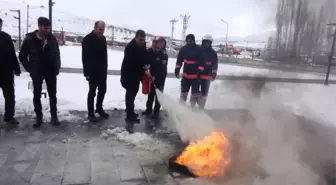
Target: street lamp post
{"type": "Point", "coordinates": [28, 10]}
{"type": "Point", "coordinates": [19, 19]}
{"type": "Point", "coordinates": [227, 31]}
{"type": "Point", "coordinates": [331, 57]}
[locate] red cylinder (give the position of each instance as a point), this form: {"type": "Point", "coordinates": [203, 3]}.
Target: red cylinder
{"type": "Point", "coordinates": [145, 84]}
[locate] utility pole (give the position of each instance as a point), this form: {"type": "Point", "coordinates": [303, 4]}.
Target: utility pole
{"type": "Point", "coordinates": [19, 19]}
{"type": "Point", "coordinates": [51, 4]}
{"type": "Point", "coordinates": [27, 19]}
{"type": "Point", "coordinates": [173, 21]}
{"type": "Point", "coordinates": [331, 57]}
{"type": "Point", "coordinates": [185, 21]}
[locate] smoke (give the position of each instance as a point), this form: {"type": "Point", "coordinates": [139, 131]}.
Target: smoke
{"type": "Point", "coordinates": [266, 150]}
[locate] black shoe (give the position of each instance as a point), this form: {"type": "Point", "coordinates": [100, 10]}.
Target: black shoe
{"type": "Point", "coordinates": [132, 119]}
{"type": "Point", "coordinates": [55, 121]}
{"type": "Point", "coordinates": [147, 112]}
{"type": "Point", "coordinates": [92, 118]}
{"type": "Point", "coordinates": [156, 115]}
{"type": "Point", "coordinates": [102, 113]}
{"type": "Point", "coordinates": [12, 121]}
{"type": "Point", "coordinates": [39, 122]}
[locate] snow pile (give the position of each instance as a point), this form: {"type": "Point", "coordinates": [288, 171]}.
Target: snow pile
{"type": "Point", "coordinates": [25, 107]}
{"type": "Point", "coordinates": [140, 141]}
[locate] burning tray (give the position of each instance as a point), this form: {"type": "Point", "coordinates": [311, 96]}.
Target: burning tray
{"type": "Point", "coordinates": [178, 168]}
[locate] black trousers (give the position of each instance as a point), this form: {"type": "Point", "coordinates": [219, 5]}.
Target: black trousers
{"type": "Point", "coordinates": [132, 89]}
{"type": "Point", "coordinates": [94, 84]}
{"type": "Point", "coordinates": [159, 83]}
{"type": "Point", "coordinates": [51, 82]}
{"type": "Point", "coordinates": [8, 92]}
{"type": "Point", "coordinates": [205, 86]}
{"type": "Point", "coordinates": [186, 84]}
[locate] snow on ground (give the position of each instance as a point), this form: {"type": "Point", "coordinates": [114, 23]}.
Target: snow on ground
{"type": "Point", "coordinates": [317, 102]}
{"type": "Point", "coordinates": [71, 57]}
{"type": "Point", "coordinates": [140, 141]}
{"type": "Point", "coordinates": [314, 101]}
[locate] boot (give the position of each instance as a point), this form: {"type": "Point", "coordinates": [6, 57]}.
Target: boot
{"type": "Point", "coordinates": [92, 118]}
{"type": "Point", "coordinates": [12, 121]}
{"type": "Point", "coordinates": [102, 113]}
{"type": "Point", "coordinates": [55, 121]}
{"type": "Point", "coordinates": [39, 121]}
{"type": "Point", "coordinates": [147, 112]}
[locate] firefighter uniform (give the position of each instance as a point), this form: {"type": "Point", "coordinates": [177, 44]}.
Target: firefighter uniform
{"type": "Point", "coordinates": [210, 69]}
{"type": "Point", "coordinates": [191, 57]}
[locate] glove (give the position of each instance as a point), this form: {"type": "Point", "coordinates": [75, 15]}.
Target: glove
{"type": "Point", "coordinates": [87, 78]}
{"type": "Point", "coordinates": [214, 75]}
{"type": "Point", "coordinates": [17, 73]}
{"type": "Point", "coordinates": [177, 73]}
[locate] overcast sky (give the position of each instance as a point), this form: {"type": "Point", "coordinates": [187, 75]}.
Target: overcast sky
{"type": "Point", "coordinates": [245, 17]}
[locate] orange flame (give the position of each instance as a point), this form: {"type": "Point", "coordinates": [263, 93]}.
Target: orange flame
{"type": "Point", "coordinates": [207, 157]}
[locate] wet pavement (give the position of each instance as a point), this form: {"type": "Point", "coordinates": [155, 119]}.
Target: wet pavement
{"type": "Point", "coordinates": [75, 154]}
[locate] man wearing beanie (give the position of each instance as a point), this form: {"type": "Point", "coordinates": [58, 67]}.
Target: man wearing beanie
{"type": "Point", "coordinates": [40, 56]}
{"type": "Point", "coordinates": [9, 66]}
{"type": "Point", "coordinates": [192, 59]}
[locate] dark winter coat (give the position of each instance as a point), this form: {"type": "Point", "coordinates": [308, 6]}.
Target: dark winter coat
{"type": "Point", "coordinates": [8, 60]}
{"type": "Point", "coordinates": [134, 62]}
{"type": "Point", "coordinates": [211, 64]}
{"type": "Point", "coordinates": [192, 59]}
{"type": "Point", "coordinates": [94, 56]}
{"type": "Point", "coordinates": [40, 59]}
{"type": "Point", "coordinates": [158, 64]}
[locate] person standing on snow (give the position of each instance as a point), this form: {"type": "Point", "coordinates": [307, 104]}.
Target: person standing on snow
{"type": "Point", "coordinates": [94, 58]}
{"type": "Point", "coordinates": [133, 68]}
{"type": "Point", "coordinates": [191, 56]}
{"type": "Point", "coordinates": [9, 66]}
{"type": "Point", "coordinates": [158, 60]}
{"type": "Point", "coordinates": [210, 69]}
{"type": "Point", "coordinates": [40, 56]}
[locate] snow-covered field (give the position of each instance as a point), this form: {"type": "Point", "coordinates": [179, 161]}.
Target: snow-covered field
{"type": "Point", "coordinates": [313, 101]}
{"type": "Point", "coordinates": [71, 57]}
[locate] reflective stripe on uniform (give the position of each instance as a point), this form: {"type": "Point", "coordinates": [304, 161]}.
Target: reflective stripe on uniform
{"type": "Point", "coordinates": [208, 63]}
{"type": "Point", "coordinates": [201, 68]}
{"type": "Point", "coordinates": [177, 66]}
{"type": "Point", "coordinates": [189, 62]}
{"type": "Point", "coordinates": [214, 71]}
{"type": "Point", "coordinates": [205, 77]}
{"type": "Point", "coordinates": [189, 76]}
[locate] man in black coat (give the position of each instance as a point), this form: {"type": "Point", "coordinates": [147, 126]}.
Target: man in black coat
{"type": "Point", "coordinates": [40, 56]}
{"type": "Point", "coordinates": [94, 57]}
{"type": "Point", "coordinates": [9, 66]}
{"type": "Point", "coordinates": [158, 60]}
{"type": "Point", "coordinates": [132, 69]}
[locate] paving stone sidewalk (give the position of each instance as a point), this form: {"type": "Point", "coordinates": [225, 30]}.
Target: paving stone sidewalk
{"type": "Point", "coordinates": [75, 154]}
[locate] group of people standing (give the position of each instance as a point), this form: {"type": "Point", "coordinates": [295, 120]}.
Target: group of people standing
{"type": "Point", "coordinates": [40, 56]}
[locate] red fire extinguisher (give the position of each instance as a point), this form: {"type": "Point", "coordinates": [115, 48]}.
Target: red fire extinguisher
{"type": "Point", "coordinates": [146, 84]}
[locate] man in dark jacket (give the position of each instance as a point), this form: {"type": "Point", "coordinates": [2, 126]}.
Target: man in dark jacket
{"type": "Point", "coordinates": [133, 68]}
{"type": "Point", "coordinates": [158, 60]}
{"type": "Point", "coordinates": [94, 57]}
{"type": "Point", "coordinates": [210, 68]}
{"type": "Point", "coordinates": [40, 56]}
{"type": "Point", "coordinates": [9, 66]}
{"type": "Point", "coordinates": [192, 57]}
